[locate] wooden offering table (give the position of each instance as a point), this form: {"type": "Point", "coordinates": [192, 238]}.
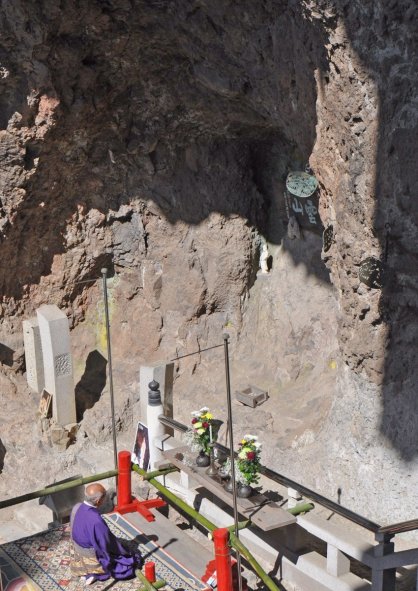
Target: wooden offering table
{"type": "Point", "coordinates": [264, 513]}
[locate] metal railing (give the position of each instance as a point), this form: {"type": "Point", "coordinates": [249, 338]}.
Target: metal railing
{"type": "Point", "coordinates": [389, 530]}
{"type": "Point", "coordinates": [383, 560]}
{"type": "Point", "coordinates": [57, 488]}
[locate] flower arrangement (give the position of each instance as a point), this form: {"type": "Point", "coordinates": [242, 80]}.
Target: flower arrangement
{"type": "Point", "coordinates": [202, 431]}
{"type": "Point", "coordinates": [249, 459]}
{"type": "Point", "coordinates": [225, 471]}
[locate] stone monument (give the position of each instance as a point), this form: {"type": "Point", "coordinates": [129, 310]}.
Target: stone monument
{"type": "Point", "coordinates": [33, 355]}
{"type": "Point", "coordinates": [163, 373]}
{"type": "Point", "coordinates": [58, 366]}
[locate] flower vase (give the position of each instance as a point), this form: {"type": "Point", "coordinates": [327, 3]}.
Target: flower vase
{"type": "Point", "coordinates": [244, 491]}
{"type": "Point", "coordinates": [228, 486]}
{"type": "Point", "coordinates": [203, 460]}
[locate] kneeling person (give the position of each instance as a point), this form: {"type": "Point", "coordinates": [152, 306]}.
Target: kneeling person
{"type": "Point", "coordinates": [98, 555]}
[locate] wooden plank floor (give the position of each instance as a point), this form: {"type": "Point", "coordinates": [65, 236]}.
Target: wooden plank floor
{"type": "Point", "coordinates": [185, 549]}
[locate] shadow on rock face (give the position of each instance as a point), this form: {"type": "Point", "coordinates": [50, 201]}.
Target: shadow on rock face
{"type": "Point", "coordinates": [91, 384]}
{"type": "Point", "coordinates": [6, 355]}
{"type": "Point", "coordinates": [236, 78]}
{"type": "Point", "coordinates": [2, 455]}
{"type": "Point", "coordinates": [393, 25]}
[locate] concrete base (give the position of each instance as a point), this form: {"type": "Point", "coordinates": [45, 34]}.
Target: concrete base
{"type": "Point", "coordinates": [175, 483]}
{"type": "Point", "coordinates": [309, 572]}
{"type": "Point", "coordinates": [267, 547]}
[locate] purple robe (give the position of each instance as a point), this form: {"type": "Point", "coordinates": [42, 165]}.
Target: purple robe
{"type": "Point", "coordinates": [90, 531]}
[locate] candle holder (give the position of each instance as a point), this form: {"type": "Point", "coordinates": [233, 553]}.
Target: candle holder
{"type": "Point", "coordinates": [212, 471]}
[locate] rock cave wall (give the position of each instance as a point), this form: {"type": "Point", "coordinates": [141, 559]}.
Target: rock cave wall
{"type": "Point", "coordinates": [154, 138]}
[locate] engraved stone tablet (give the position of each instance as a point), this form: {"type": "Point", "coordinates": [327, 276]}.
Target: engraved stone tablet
{"type": "Point", "coordinates": [58, 367]}
{"type": "Point", "coordinates": [302, 201]}
{"type": "Point", "coordinates": [33, 355]}
{"type": "Point", "coordinates": [371, 272]}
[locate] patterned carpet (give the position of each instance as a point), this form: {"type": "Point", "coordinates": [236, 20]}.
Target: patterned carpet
{"type": "Point", "coordinates": [42, 563]}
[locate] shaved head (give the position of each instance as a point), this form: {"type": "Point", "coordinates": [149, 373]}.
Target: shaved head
{"type": "Point", "coordinates": [95, 493]}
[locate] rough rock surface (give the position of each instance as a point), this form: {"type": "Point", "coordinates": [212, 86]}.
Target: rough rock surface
{"type": "Point", "coordinates": [154, 138]}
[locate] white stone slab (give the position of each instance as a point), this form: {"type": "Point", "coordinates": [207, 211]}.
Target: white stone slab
{"type": "Point", "coordinates": [310, 572]}
{"type": "Point", "coordinates": [174, 483]}
{"type": "Point", "coordinates": [167, 442]}
{"type": "Point", "coordinates": [33, 355]}
{"type": "Point", "coordinates": [349, 542]}
{"type": "Point", "coordinates": [58, 365]}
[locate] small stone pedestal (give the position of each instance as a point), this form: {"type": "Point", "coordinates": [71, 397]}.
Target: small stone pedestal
{"type": "Point", "coordinates": [251, 396]}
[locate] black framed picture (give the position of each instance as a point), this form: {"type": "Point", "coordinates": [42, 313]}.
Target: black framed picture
{"type": "Point", "coordinates": [140, 454]}
{"type": "Point", "coordinates": [45, 405]}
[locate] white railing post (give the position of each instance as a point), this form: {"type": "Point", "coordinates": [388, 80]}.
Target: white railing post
{"type": "Point", "coordinates": [383, 580]}
{"type": "Point", "coordinates": [337, 563]}
{"type": "Point", "coordinates": [293, 497]}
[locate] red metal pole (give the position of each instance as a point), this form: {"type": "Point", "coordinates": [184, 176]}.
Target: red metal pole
{"type": "Point", "coordinates": [222, 559]}
{"type": "Point", "coordinates": [126, 502]}
{"type": "Point", "coordinates": [124, 480]}
{"type": "Point", "coordinates": [149, 571]}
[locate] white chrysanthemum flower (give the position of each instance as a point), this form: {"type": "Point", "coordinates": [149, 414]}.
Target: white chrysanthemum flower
{"type": "Point", "coordinates": [257, 445]}
{"type": "Point", "coordinates": [204, 409]}
{"type": "Point", "coordinates": [250, 437]}
{"type": "Point", "coordinates": [240, 476]}
{"type": "Point", "coordinates": [189, 438]}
